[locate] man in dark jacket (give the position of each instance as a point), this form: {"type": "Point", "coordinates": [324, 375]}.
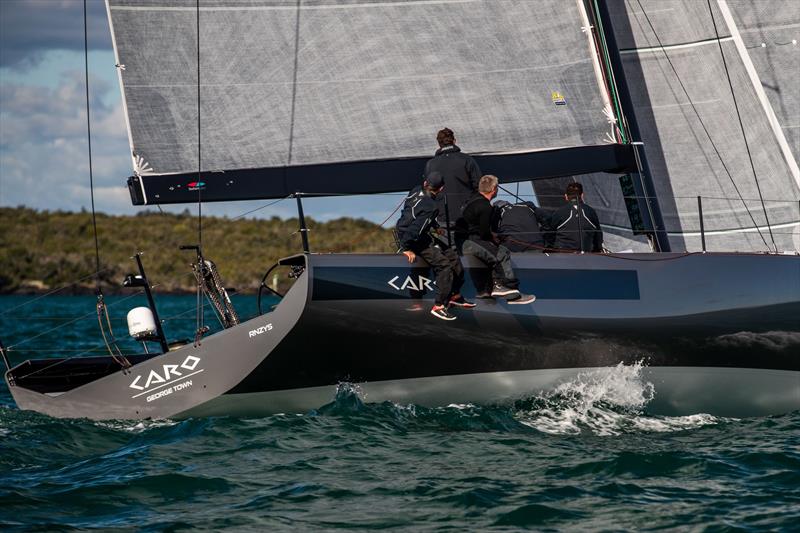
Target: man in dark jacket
{"type": "Point", "coordinates": [460, 173]}
{"type": "Point", "coordinates": [517, 226]}
{"type": "Point", "coordinates": [477, 216]}
{"type": "Point", "coordinates": [417, 220]}
{"type": "Point", "coordinates": [576, 225]}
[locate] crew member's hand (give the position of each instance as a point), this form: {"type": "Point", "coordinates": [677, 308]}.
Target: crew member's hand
{"type": "Point", "coordinates": [411, 255]}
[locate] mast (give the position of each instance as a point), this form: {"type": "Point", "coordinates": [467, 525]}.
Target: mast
{"type": "Point", "coordinates": [642, 182]}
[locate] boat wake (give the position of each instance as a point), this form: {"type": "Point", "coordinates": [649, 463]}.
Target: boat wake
{"type": "Point", "coordinates": [605, 401]}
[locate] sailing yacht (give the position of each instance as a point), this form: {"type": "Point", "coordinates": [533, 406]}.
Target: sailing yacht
{"type": "Point", "coordinates": [679, 117]}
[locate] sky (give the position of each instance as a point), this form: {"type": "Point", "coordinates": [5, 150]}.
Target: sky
{"type": "Point", "coordinates": [43, 134]}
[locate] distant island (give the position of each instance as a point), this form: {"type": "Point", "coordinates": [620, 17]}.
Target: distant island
{"type": "Point", "coordinates": [44, 250]}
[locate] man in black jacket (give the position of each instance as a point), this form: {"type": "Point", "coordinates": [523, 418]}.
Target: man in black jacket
{"type": "Point", "coordinates": [417, 220]}
{"type": "Point", "coordinates": [576, 225]}
{"type": "Point", "coordinates": [482, 244]}
{"type": "Point", "coordinates": [517, 226]}
{"type": "Point", "coordinates": [460, 173]}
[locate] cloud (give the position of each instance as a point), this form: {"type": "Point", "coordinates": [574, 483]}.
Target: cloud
{"type": "Point", "coordinates": [43, 148]}
{"type": "Point", "coordinates": [30, 28]}
{"type": "Point", "coordinates": [41, 114]}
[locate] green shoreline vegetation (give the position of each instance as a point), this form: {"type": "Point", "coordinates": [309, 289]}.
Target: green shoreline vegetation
{"type": "Point", "coordinates": [44, 250]}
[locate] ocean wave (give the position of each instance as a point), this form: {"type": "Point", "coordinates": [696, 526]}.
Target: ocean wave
{"type": "Point", "coordinates": [605, 401]}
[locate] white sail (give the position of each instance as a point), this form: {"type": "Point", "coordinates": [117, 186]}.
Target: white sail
{"type": "Point", "coordinates": [758, 40]}
{"type": "Point", "coordinates": [297, 82]}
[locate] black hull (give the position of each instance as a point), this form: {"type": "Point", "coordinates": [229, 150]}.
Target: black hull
{"type": "Point", "coordinates": [592, 311]}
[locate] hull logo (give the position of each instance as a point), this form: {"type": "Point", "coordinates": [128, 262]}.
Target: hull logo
{"type": "Point", "coordinates": [165, 374]}
{"type": "Point", "coordinates": [258, 331]}
{"type": "Point", "coordinates": [421, 283]}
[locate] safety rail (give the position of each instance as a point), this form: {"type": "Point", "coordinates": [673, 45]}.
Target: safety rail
{"type": "Point", "coordinates": [687, 222]}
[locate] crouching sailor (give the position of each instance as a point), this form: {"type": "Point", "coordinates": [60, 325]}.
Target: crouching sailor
{"type": "Point", "coordinates": [518, 226]}
{"type": "Point", "coordinates": [417, 220]}
{"type": "Point", "coordinates": [483, 245]}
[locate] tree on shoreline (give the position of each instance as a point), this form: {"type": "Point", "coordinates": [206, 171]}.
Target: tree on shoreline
{"type": "Point", "coordinates": [41, 250]}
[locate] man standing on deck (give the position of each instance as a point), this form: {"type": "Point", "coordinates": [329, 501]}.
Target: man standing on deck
{"type": "Point", "coordinates": [576, 225]}
{"type": "Point", "coordinates": [413, 232]}
{"type": "Point", "coordinates": [460, 172]}
{"type": "Point", "coordinates": [482, 244]}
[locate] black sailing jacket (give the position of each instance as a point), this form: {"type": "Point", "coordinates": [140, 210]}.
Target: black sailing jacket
{"type": "Point", "coordinates": [461, 176]}
{"type": "Point", "coordinates": [417, 217]}
{"type": "Point", "coordinates": [478, 218]}
{"type": "Point", "coordinates": [517, 225]}
{"type": "Point", "coordinates": [576, 228]}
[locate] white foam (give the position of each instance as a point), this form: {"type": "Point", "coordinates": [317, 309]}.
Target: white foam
{"type": "Point", "coordinates": [606, 401]}
{"type": "Point", "coordinates": [137, 427]}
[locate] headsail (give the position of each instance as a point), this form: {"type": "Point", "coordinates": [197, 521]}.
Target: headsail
{"type": "Point", "coordinates": [671, 45]}
{"type": "Point", "coordinates": [331, 87]}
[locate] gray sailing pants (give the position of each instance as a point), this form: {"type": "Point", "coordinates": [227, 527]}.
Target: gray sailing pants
{"type": "Point", "coordinates": [497, 258]}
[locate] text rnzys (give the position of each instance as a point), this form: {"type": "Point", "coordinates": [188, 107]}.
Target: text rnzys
{"type": "Point", "coordinates": [258, 331]}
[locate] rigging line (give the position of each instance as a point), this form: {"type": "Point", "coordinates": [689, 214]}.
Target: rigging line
{"type": "Point", "coordinates": [702, 124]}
{"type": "Point", "coordinates": [241, 215]}
{"type": "Point", "coordinates": [647, 202]}
{"type": "Point", "coordinates": [89, 137]}
{"type": "Point", "coordinates": [199, 144]}
{"type": "Point", "coordinates": [93, 313]}
{"type": "Point", "coordinates": [363, 237]}
{"type": "Point", "coordinates": [50, 293]}
{"type": "Point", "coordinates": [270, 204]}
{"type": "Point", "coordinates": [741, 125]}
{"type": "Point", "coordinates": [182, 313]}
{"type": "Point", "coordinates": [99, 348]}
{"type": "Point", "coordinates": [199, 315]}
{"type": "Point", "coordinates": [60, 361]}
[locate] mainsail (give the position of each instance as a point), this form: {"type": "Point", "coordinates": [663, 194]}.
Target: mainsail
{"type": "Point", "coordinates": [344, 96]}
{"type": "Point", "coordinates": [689, 123]}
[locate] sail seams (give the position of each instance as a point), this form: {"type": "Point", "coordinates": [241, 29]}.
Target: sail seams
{"type": "Point", "coordinates": [293, 8]}
{"type": "Point", "coordinates": [362, 80]}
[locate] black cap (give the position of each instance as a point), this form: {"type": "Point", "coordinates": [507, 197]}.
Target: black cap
{"type": "Point", "coordinates": [435, 180]}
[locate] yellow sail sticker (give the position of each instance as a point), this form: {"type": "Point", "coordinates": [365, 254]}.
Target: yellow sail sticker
{"type": "Point", "coordinates": [558, 98]}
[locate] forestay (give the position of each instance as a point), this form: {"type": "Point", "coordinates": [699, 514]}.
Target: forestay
{"type": "Point", "coordinates": [290, 83]}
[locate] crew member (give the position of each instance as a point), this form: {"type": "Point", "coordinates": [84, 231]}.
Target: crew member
{"type": "Point", "coordinates": [482, 244]}
{"type": "Point", "coordinates": [414, 227]}
{"type": "Point", "coordinates": [517, 226]}
{"type": "Point", "coordinates": [576, 225]}
{"type": "Point", "coordinates": [460, 172]}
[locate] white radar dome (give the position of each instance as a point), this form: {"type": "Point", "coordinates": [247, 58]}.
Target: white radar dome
{"type": "Point", "coordinates": [141, 323]}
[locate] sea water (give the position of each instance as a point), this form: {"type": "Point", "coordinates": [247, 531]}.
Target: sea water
{"type": "Point", "coordinates": [586, 456]}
